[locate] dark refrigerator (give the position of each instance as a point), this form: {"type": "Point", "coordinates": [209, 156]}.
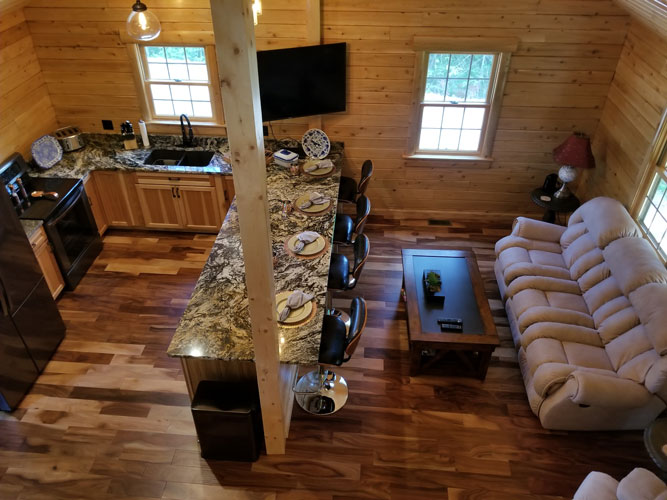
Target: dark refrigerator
{"type": "Point", "coordinates": [30, 325]}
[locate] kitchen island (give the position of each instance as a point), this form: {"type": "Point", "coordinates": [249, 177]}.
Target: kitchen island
{"type": "Point", "coordinates": [214, 338]}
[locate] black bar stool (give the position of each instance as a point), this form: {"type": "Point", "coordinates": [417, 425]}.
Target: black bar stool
{"type": "Point", "coordinates": [350, 190]}
{"type": "Point", "coordinates": [340, 277]}
{"type": "Point", "coordinates": [347, 229]}
{"type": "Point", "coordinates": [321, 391]}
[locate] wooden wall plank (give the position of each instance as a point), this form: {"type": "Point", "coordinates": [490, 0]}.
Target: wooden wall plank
{"type": "Point", "coordinates": [630, 118]}
{"type": "Point", "coordinates": [24, 99]}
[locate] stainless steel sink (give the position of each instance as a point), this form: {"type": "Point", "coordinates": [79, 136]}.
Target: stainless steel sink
{"type": "Point", "coordinates": [180, 158]}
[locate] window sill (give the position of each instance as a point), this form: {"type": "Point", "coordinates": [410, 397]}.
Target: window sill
{"type": "Point", "coordinates": [193, 123]}
{"type": "Point", "coordinates": [435, 160]}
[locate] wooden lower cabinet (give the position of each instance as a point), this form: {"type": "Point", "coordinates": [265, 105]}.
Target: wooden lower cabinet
{"type": "Point", "coordinates": [114, 193]}
{"type": "Point", "coordinates": [159, 206]}
{"type": "Point", "coordinates": [200, 208]}
{"type": "Point", "coordinates": [47, 262]}
{"type": "Point", "coordinates": [95, 204]}
{"type": "Point", "coordinates": [193, 202]}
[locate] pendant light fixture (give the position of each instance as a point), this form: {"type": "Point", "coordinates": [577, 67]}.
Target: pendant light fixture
{"type": "Point", "coordinates": [142, 24]}
{"type": "Point", "coordinates": [256, 10]}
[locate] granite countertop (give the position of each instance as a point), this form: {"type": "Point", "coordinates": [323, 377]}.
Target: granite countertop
{"type": "Point", "coordinates": [30, 226]}
{"type": "Point", "coordinates": [106, 152]}
{"type": "Point", "coordinates": [216, 322]}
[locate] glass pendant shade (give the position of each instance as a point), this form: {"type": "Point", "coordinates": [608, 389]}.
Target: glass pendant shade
{"type": "Point", "coordinates": [142, 24]}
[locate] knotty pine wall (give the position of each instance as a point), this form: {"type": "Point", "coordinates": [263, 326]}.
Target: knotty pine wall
{"type": "Point", "coordinates": [630, 118]}
{"type": "Point", "coordinates": [559, 79]}
{"type": "Point", "coordinates": [25, 108]}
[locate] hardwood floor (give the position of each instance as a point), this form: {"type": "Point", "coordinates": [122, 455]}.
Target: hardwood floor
{"type": "Point", "coordinates": [110, 416]}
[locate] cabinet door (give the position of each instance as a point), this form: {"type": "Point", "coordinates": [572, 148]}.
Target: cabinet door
{"type": "Point", "coordinates": [159, 206]}
{"type": "Point", "coordinates": [95, 203]}
{"type": "Point", "coordinates": [113, 195]}
{"type": "Point", "coordinates": [200, 207]}
{"type": "Point", "coordinates": [47, 262]}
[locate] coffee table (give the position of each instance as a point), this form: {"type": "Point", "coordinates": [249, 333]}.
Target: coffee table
{"type": "Point", "coordinates": [464, 298]}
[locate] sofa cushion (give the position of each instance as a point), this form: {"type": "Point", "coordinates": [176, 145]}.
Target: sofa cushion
{"type": "Point", "coordinates": [587, 356]}
{"type": "Point", "coordinates": [617, 324]}
{"type": "Point", "coordinates": [650, 302]}
{"type": "Point", "coordinates": [560, 331]}
{"type": "Point", "coordinates": [600, 294]}
{"type": "Point", "coordinates": [606, 220]}
{"type": "Point", "coordinates": [645, 266]}
{"type": "Point", "coordinates": [571, 301]}
{"type": "Point", "coordinates": [625, 347]}
{"type": "Point", "coordinates": [539, 314]}
{"type": "Point", "coordinates": [572, 232]}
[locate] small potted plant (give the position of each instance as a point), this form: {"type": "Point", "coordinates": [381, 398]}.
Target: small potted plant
{"type": "Point", "coordinates": [432, 283]}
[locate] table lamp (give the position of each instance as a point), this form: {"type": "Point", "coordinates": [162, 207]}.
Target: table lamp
{"type": "Point", "coordinates": [575, 152]}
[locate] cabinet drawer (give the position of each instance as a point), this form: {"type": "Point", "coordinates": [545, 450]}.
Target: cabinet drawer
{"type": "Point", "coordinates": [38, 238]}
{"type": "Point", "coordinates": [175, 179]}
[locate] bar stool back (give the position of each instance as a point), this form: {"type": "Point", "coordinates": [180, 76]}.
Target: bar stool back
{"type": "Point", "coordinates": [350, 190]}
{"type": "Point", "coordinates": [340, 277]}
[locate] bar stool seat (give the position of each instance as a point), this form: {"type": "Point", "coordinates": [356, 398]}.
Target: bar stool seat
{"type": "Point", "coordinates": [339, 272]}
{"type": "Point", "coordinates": [348, 190]}
{"type": "Point", "coordinates": [343, 229]}
{"type": "Point", "coordinates": [346, 228]}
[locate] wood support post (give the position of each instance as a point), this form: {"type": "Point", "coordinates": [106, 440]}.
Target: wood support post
{"type": "Point", "coordinates": [314, 37]}
{"type": "Point", "coordinates": [237, 63]}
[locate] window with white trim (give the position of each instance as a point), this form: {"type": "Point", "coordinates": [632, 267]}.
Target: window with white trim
{"type": "Point", "coordinates": [178, 80]}
{"type": "Point", "coordinates": [653, 213]}
{"type": "Point", "coordinates": [458, 103]}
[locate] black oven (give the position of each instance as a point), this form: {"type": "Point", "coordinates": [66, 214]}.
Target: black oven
{"type": "Point", "coordinates": [73, 235]}
{"type": "Point", "coordinates": [63, 207]}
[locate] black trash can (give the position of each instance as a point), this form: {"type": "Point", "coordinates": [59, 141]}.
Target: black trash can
{"type": "Point", "coordinates": [228, 420]}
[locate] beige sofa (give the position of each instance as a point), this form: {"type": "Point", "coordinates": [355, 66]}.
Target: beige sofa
{"type": "Point", "coordinates": [640, 484]}
{"type": "Point", "coordinates": [587, 307]}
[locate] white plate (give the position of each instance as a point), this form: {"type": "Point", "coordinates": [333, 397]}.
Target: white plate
{"type": "Point", "coordinates": [316, 144]}
{"type": "Point", "coordinates": [46, 151]}
{"type": "Point", "coordinates": [295, 315]}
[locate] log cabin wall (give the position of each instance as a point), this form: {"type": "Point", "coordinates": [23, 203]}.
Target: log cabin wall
{"type": "Point", "coordinates": [558, 82]}
{"type": "Point", "coordinates": [25, 106]}
{"type": "Point", "coordinates": [630, 118]}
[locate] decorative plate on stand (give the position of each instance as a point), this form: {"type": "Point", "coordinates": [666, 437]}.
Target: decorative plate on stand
{"type": "Point", "coordinates": [46, 151]}
{"type": "Point", "coordinates": [316, 143]}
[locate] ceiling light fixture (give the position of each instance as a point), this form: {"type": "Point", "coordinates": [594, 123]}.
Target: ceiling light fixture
{"type": "Point", "coordinates": [142, 24]}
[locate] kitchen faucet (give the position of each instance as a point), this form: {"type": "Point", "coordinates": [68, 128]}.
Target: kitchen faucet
{"type": "Point", "coordinates": [187, 140]}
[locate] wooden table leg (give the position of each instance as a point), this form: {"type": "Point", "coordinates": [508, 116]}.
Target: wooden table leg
{"type": "Point", "coordinates": [484, 359]}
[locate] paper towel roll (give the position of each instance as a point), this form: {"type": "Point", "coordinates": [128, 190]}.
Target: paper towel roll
{"type": "Point", "coordinates": [144, 133]}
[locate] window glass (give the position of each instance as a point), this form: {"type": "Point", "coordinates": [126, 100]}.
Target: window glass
{"type": "Point", "coordinates": [455, 102]}
{"type": "Point", "coordinates": [178, 81]}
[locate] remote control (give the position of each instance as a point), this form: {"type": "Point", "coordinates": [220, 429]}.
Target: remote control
{"type": "Point", "coordinates": [451, 327]}
{"type": "Point", "coordinates": [453, 321]}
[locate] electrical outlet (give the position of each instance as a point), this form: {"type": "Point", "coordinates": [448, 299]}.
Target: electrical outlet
{"type": "Point", "coordinates": [107, 124]}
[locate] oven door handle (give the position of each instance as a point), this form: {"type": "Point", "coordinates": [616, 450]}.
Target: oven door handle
{"type": "Point", "coordinates": [66, 209]}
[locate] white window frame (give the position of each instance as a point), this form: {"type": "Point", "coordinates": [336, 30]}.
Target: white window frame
{"type": "Point", "coordinates": [655, 172]}
{"type": "Point", "coordinates": [501, 49]}
{"type": "Point", "coordinates": [143, 83]}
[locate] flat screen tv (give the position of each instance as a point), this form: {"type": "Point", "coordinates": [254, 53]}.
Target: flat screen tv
{"type": "Point", "coordinates": [302, 81]}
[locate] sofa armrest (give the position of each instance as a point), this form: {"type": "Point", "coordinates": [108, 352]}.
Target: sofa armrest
{"type": "Point", "coordinates": [537, 230]}
{"type": "Point", "coordinates": [594, 389]}
{"type": "Point", "coordinates": [597, 486]}
{"type": "Point", "coordinates": [640, 483]}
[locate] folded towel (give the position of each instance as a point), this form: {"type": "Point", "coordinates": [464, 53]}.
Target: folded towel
{"type": "Point", "coordinates": [319, 165]}
{"type": "Point", "coordinates": [314, 199]}
{"type": "Point", "coordinates": [303, 239]}
{"type": "Point", "coordinates": [296, 299]}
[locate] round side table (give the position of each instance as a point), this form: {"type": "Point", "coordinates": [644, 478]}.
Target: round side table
{"type": "Point", "coordinates": [553, 205]}
{"type": "Point", "coordinates": [655, 440]}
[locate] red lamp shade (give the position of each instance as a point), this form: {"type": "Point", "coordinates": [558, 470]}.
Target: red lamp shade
{"type": "Point", "coordinates": [575, 151]}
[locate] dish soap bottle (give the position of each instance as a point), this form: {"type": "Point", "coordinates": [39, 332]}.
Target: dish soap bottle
{"type": "Point", "coordinates": [129, 139]}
